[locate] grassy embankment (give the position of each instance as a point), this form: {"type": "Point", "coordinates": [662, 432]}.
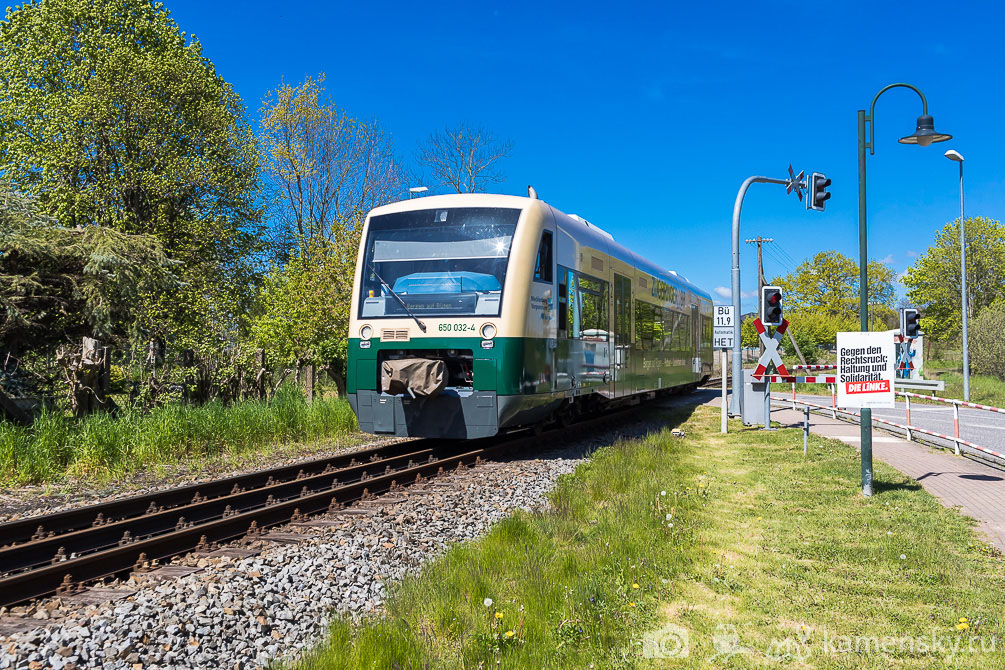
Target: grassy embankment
{"type": "Point", "coordinates": [102, 445]}
{"type": "Point", "coordinates": [984, 389]}
{"type": "Point", "coordinates": [760, 556]}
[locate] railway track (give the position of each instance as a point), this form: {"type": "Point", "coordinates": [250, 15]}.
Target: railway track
{"type": "Point", "coordinates": [61, 552]}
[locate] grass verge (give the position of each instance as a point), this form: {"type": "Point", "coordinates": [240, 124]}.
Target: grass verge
{"type": "Point", "coordinates": [984, 390]}
{"type": "Point", "coordinates": [104, 445]}
{"type": "Point", "coordinates": [738, 545]}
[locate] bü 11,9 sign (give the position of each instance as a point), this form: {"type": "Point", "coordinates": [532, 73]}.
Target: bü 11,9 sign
{"type": "Point", "coordinates": [865, 370]}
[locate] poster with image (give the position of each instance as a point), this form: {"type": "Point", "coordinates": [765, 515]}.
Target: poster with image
{"type": "Point", "coordinates": [866, 369]}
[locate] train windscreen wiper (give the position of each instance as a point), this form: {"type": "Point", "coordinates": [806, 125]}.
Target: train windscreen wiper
{"type": "Point", "coordinates": [397, 297]}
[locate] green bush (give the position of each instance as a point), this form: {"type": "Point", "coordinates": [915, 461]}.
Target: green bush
{"type": "Point", "coordinates": [807, 345]}
{"type": "Point", "coordinates": [117, 379]}
{"type": "Point", "coordinates": [987, 342]}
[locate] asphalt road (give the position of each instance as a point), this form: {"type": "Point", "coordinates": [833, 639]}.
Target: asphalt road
{"type": "Point", "coordinates": [981, 427]}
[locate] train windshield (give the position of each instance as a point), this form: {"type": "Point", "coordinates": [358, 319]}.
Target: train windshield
{"type": "Point", "coordinates": [438, 262]}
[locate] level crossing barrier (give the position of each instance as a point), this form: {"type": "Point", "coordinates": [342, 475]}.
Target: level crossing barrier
{"type": "Point", "coordinates": [910, 430]}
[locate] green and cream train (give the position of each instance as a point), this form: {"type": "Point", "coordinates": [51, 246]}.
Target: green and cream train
{"type": "Point", "coordinates": [475, 314]}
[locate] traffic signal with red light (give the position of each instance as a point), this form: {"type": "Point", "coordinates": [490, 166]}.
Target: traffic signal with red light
{"type": "Point", "coordinates": [771, 305]}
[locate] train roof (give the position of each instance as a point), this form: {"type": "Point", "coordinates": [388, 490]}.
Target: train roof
{"type": "Point", "coordinates": [583, 227]}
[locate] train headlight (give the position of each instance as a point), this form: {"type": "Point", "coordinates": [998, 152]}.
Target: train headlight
{"type": "Point", "coordinates": [365, 332]}
{"type": "Point", "coordinates": [488, 331]}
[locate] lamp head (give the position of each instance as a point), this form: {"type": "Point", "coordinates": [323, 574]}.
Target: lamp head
{"type": "Point", "coordinates": [925, 133]}
{"type": "Point", "coordinates": [954, 155]}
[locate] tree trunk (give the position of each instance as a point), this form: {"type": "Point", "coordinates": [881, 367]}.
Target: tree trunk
{"type": "Point", "coordinates": [89, 377]}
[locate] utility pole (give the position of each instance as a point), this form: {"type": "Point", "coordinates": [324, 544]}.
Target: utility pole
{"type": "Point", "coordinates": [761, 282]}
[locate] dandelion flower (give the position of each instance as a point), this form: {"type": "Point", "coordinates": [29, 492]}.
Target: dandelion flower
{"type": "Point", "coordinates": [499, 615]}
{"type": "Point", "coordinates": [633, 605]}
{"type": "Point", "coordinates": [963, 619]}
{"type": "Point", "coordinates": [635, 586]}
{"type": "Point", "coordinates": [759, 518]}
{"type": "Point", "coordinates": [903, 557]}
{"type": "Point", "coordinates": [487, 602]}
{"type": "Point", "coordinates": [663, 493]}
{"type": "Point", "coordinates": [962, 626]}
{"type": "Point", "coordinates": [510, 633]}
{"type": "Point", "coordinates": [669, 516]}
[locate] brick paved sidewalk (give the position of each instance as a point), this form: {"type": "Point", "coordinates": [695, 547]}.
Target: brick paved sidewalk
{"type": "Point", "coordinates": [978, 489]}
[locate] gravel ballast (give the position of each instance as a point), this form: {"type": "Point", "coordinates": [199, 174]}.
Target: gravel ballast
{"type": "Point", "coordinates": [247, 612]}
{"type": "Point", "coordinates": [243, 613]}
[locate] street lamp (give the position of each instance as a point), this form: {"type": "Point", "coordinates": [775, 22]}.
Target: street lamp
{"type": "Point", "coordinates": [954, 155]}
{"type": "Point", "coordinates": [416, 190]}
{"type": "Point", "coordinates": [923, 135]}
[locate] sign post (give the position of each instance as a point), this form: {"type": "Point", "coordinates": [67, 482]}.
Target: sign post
{"type": "Point", "coordinates": [796, 183]}
{"type": "Point", "coordinates": [865, 369]}
{"type": "Point", "coordinates": [722, 338]}
{"type": "Point", "coordinates": [768, 358]}
{"type": "Point", "coordinates": [865, 378]}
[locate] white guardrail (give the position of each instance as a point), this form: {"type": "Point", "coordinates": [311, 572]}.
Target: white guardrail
{"type": "Point", "coordinates": [908, 428]}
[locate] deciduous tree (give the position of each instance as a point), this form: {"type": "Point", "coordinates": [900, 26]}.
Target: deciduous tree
{"type": "Point", "coordinates": [326, 170]}
{"type": "Point", "coordinates": [934, 281]}
{"type": "Point", "coordinates": [464, 158]}
{"type": "Point", "coordinates": [112, 117]}
{"type": "Point", "coordinates": [828, 284]}
{"type": "Point", "coordinates": [305, 312]}
{"type": "Point", "coordinates": [987, 346]}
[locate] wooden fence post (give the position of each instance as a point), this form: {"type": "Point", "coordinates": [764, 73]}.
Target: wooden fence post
{"type": "Point", "coordinates": [309, 380]}
{"type": "Point", "coordinates": [260, 374]}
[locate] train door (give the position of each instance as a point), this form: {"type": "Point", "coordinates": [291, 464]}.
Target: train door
{"type": "Point", "coordinates": [696, 329]}
{"type": "Point", "coordinates": [622, 334]}
{"type": "Point", "coordinates": [539, 351]}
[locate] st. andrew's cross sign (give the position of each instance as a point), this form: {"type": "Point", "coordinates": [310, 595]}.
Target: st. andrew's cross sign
{"type": "Point", "coordinates": [770, 355]}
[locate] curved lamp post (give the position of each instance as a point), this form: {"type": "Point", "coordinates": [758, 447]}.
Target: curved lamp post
{"type": "Point", "coordinates": [923, 135]}
{"type": "Point", "coordinates": [954, 155]}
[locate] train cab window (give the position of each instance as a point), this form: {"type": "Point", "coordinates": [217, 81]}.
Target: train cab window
{"type": "Point", "coordinates": [542, 269]}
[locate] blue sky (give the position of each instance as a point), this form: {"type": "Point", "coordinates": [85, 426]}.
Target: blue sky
{"type": "Point", "coordinates": [645, 119]}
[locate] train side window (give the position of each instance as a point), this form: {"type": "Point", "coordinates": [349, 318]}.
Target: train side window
{"type": "Point", "coordinates": [645, 321]}
{"type": "Point", "coordinates": [593, 299]}
{"type": "Point", "coordinates": [542, 269]}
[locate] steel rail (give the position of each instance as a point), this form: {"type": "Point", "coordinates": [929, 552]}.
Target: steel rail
{"type": "Point", "coordinates": [103, 535]}
{"type": "Point", "coordinates": [26, 529]}
{"type": "Point", "coordinates": [67, 574]}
